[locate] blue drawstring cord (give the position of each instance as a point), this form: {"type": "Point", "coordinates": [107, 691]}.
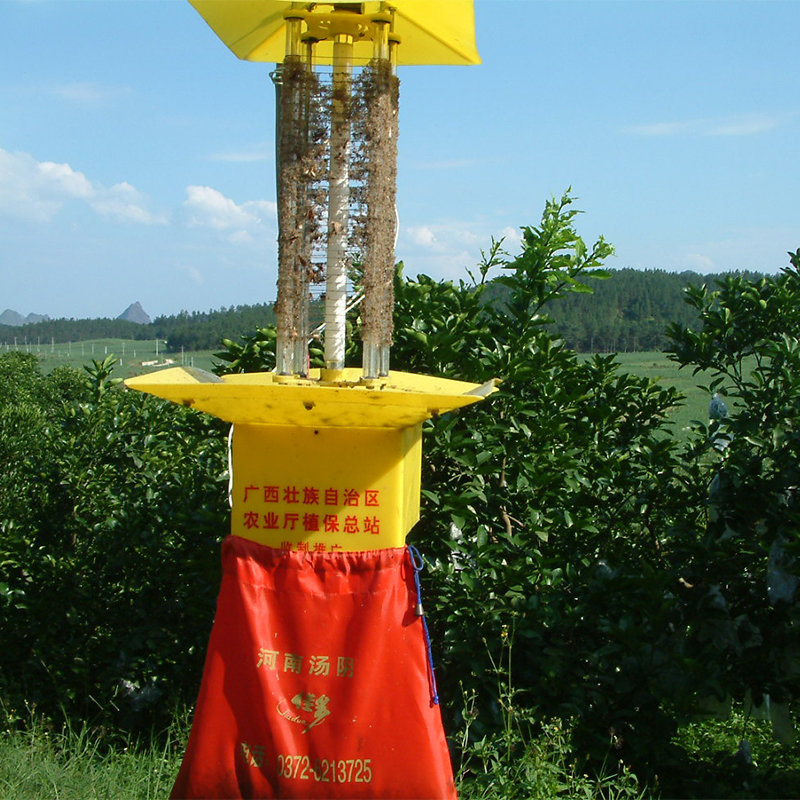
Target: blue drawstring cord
{"type": "Point", "coordinates": [418, 564]}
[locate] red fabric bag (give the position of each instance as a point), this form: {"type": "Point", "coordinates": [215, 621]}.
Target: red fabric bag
{"type": "Point", "coordinates": [316, 682]}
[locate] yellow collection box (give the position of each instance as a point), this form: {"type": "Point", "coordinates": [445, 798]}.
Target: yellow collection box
{"type": "Point", "coordinates": [325, 489]}
{"type": "Point", "coordinates": [320, 467]}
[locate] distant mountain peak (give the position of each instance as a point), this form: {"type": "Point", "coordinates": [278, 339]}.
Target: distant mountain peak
{"type": "Point", "coordinates": [135, 313]}
{"type": "Point", "coordinates": [10, 317]}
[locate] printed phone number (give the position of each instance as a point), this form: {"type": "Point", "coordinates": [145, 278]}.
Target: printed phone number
{"type": "Point", "coordinates": [322, 770]}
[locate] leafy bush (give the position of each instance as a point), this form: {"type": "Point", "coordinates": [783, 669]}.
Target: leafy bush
{"type": "Point", "coordinates": [548, 510]}
{"type": "Point", "coordinates": [111, 505]}
{"type": "Point", "coordinates": [742, 565]}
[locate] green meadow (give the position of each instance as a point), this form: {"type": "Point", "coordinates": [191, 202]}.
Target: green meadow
{"type": "Point", "coordinates": [135, 356]}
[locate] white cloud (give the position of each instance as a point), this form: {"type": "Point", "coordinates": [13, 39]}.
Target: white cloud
{"type": "Point", "coordinates": [422, 236]}
{"type": "Point", "coordinates": [663, 128]}
{"type": "Point", "coordinates": [241, 237]}
{"type": "Point", "coordinates": [209, 208]}
{"type": "Point", "coordinates": [444, 237]}
{"type": "Point", "coordinates": [87, 93]}
{"type": "Point", "coordinates": [37, 191]}
{"type": "Point", "coordinates": [126, 204]}
{"type": "Point", "coordinates": [194, 274]}
{"type": "Point", "coordinates": [24, 189]}
{"type": "Point", "coordinates": [511, 237]}
{"type": "Point", "coordinates": [734, 125]}
{"type": "Point", "coordinates": [446, 249]}
{"type": "Point", "coordinates": [761, 249]}
{"type": "Point", "coordinates": [62, 177]}
{"type": "Point", "coordinates": [744, 125]}
{"type": "Point", "coordinates": [266, 210]}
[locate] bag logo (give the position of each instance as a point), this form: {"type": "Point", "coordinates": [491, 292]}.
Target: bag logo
{"type": "Point", "coordinates": [309, 709]}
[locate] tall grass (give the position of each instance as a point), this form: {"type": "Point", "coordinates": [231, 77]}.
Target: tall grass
{"type": "Point", "coordinates": [38, 763]}
{"type": "Point", "coordinates": [540, 767]}
{"type": "Point", "coordinates": [528, 759]}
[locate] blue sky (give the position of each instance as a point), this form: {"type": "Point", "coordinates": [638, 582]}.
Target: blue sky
{"type": "Point", "coordinates": [136, 152]}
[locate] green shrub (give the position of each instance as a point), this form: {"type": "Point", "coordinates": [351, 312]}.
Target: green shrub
{"type": "Point", "coordinates": [111, 509]}
{"type": "Point", "coordinates": [741, 567]}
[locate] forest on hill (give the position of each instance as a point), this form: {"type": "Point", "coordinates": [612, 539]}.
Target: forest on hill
{"type": "Point", "coordinates": [627, 312]}
{"type": "Point", "coordinates": [630, 311]}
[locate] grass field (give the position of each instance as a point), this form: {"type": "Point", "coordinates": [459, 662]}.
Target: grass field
{"type": "Point", "coordinates": [659, 368]}
{"type": "Point", "coordinates": [133, 355]}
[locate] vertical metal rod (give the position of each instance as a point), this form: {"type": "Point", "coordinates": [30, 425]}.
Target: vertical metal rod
{"type": "Point", "coordinates": [380, 37]}
{"type": "Point", "coordinates": [285, 355]}
{"type": "Point", "coordinates": [294, 221]}
{"type": "Point", "coordinates": [379, 265]}
{"type": "Point", "coordinates": [338, 204]}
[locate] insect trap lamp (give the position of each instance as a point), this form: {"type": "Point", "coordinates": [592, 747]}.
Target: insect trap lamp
{"type": "Point", "coordinates": [318, 679]}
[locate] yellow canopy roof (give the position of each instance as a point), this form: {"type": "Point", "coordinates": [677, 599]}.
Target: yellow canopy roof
{"type": "Point", "coordinates": [257, 398]}
{"type": "Point", "coordinates": [430, 31]}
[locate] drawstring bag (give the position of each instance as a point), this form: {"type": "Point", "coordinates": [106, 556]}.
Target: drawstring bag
{"type": "Point", "coordinates": [317, 682]}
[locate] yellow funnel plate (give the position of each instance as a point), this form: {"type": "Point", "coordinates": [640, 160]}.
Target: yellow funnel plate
{"type": "Point", "coordinates": [399, 402]}
{"type": "Point", "coordinates": [430, 31]}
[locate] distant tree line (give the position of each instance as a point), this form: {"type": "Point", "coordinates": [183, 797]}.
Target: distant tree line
{"type": "Point", "coordinates": [196, 330]}
{"type": "Point", "coordinates": [74, 330]}
{"type": "Point", "coordinates": [200, 330]}
{"type": "Point", "coordinates": [628, 312]}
